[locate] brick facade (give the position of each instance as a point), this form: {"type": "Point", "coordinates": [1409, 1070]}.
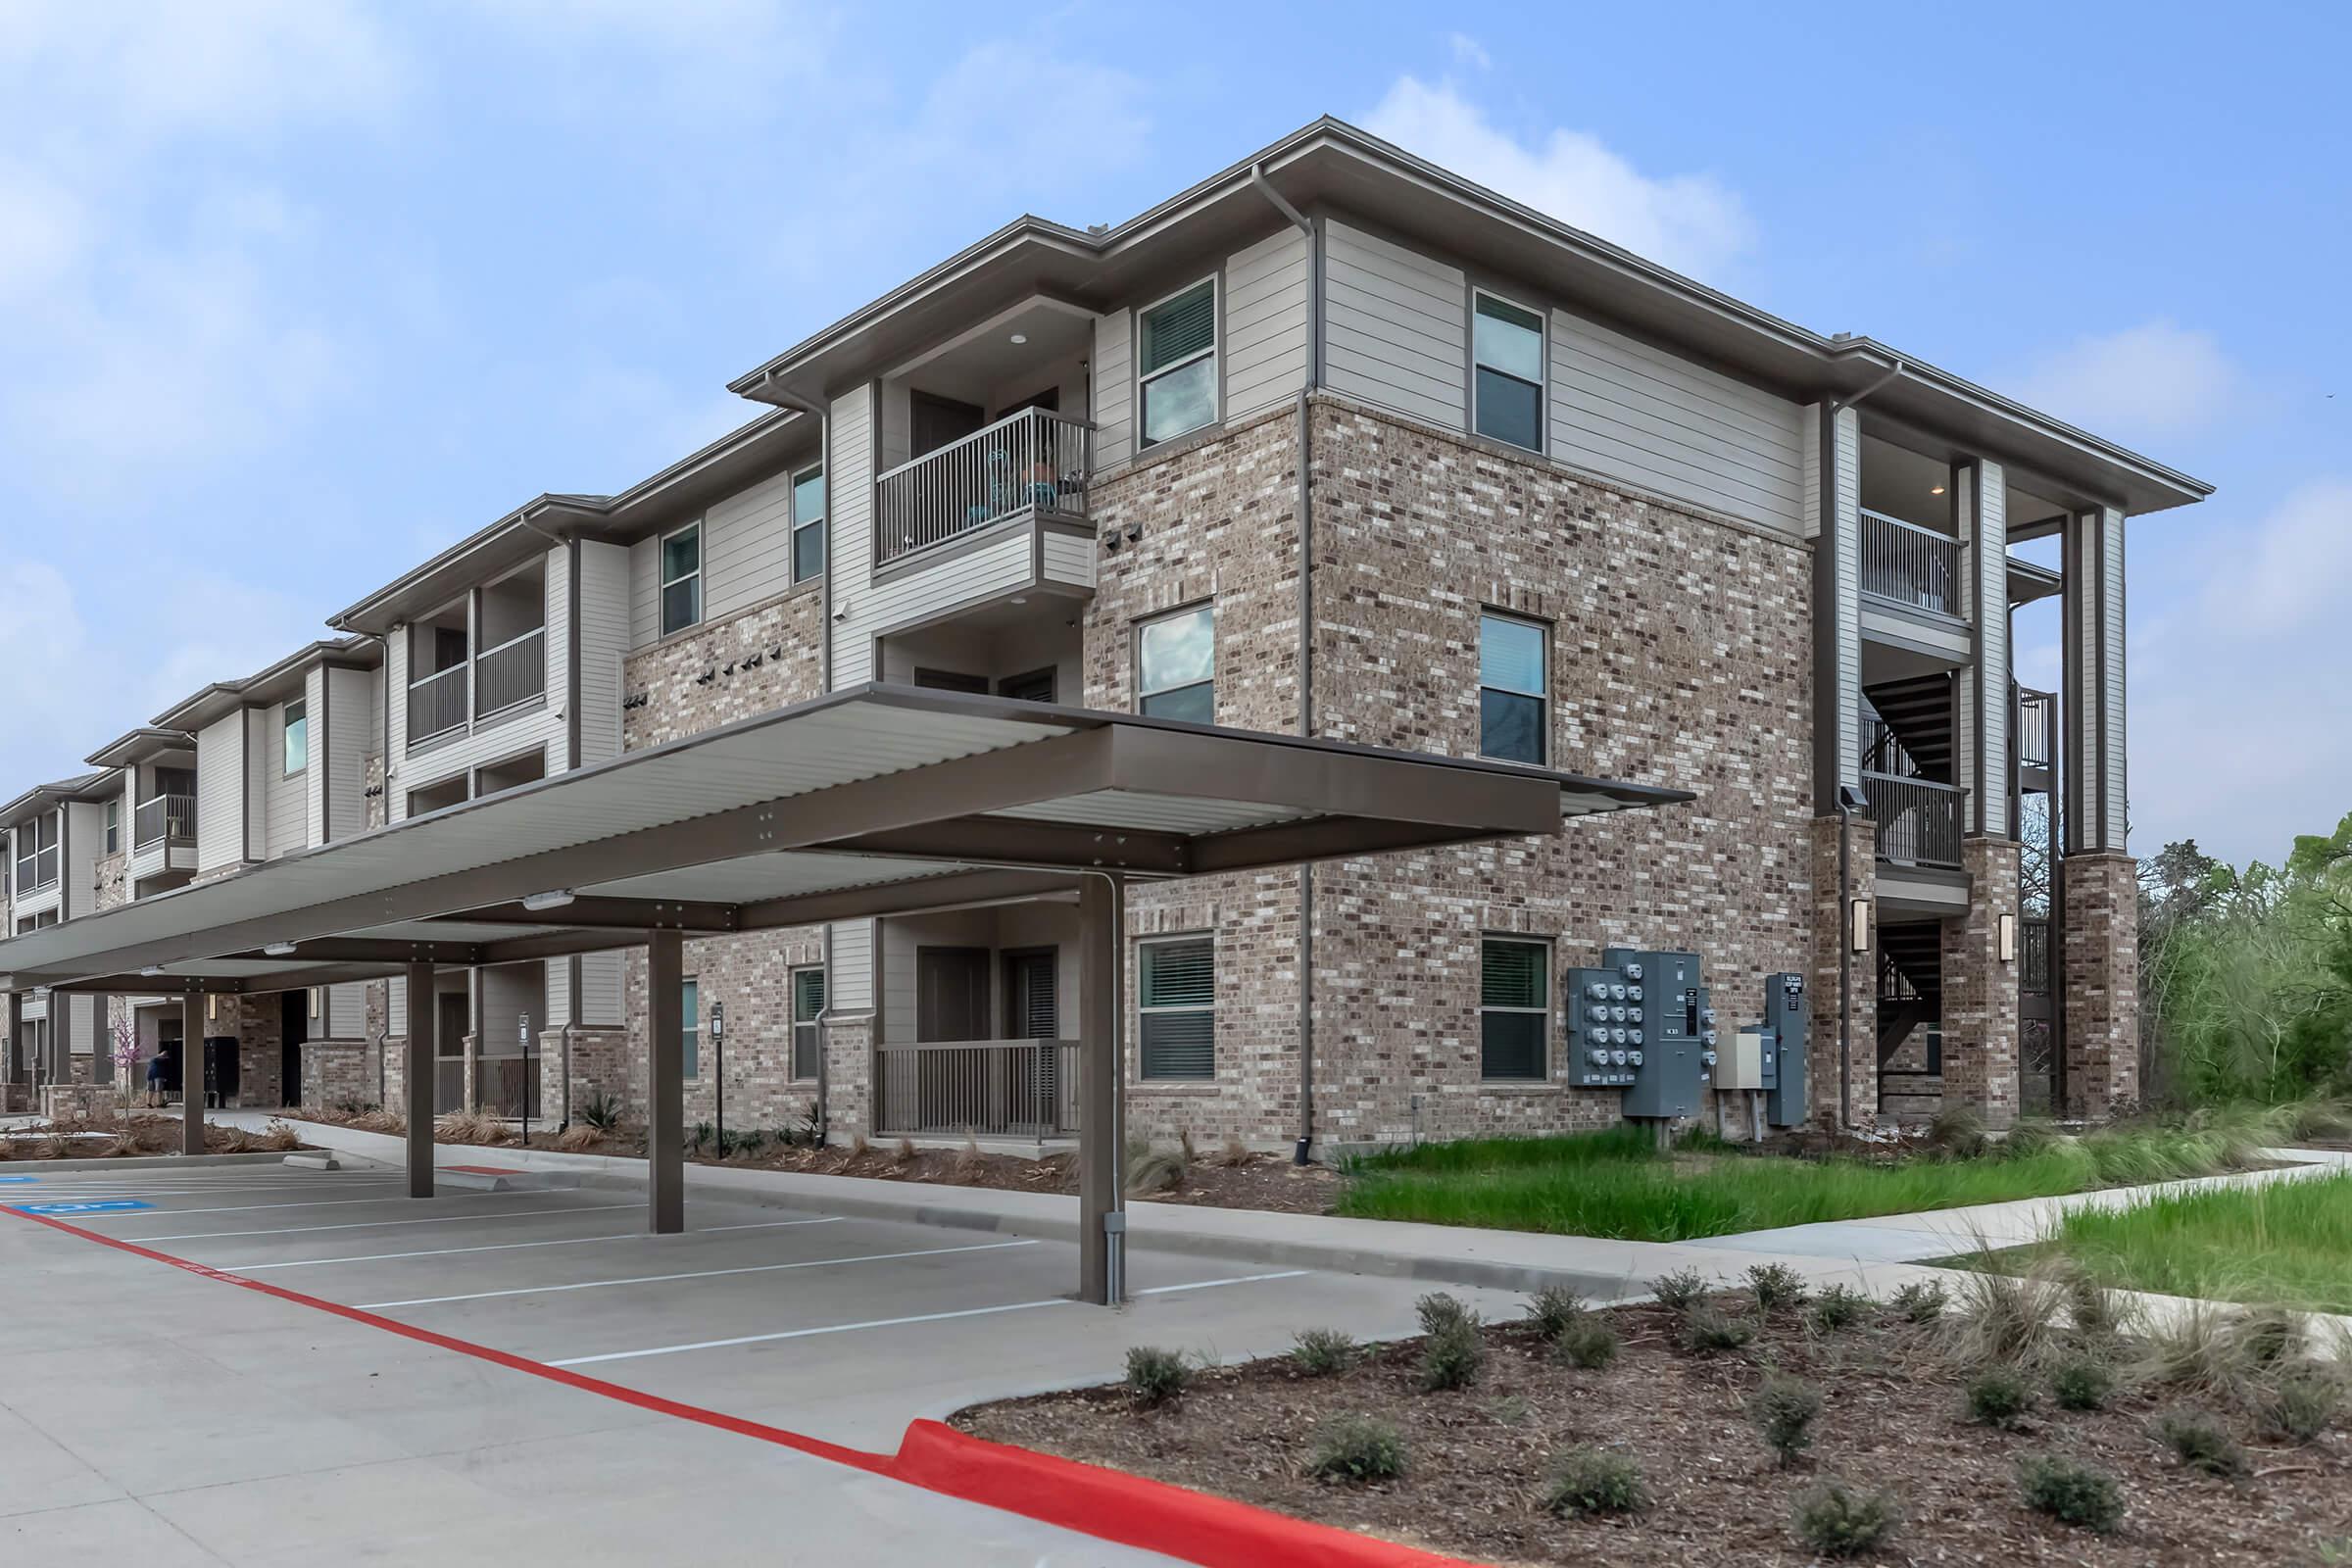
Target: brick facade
{"type": "Point", "coordinates": [2099, 984]}
{"type": "Point", "coordinates": [765, 658]}
{"type": "Point", "coordinates": [1980, 991]}
{"type": "Point", "coordinates": [1830, 939]}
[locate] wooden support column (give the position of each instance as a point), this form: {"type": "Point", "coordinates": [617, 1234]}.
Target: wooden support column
{"type": "Point", "coordinates": [665, 1084]}
{"type": "Point", "coordinates": [191, 1073]}
{"type": "Point", "coordinates": [421, 1077]}
{"type": "Point", "coordinates": [1102, 1082]}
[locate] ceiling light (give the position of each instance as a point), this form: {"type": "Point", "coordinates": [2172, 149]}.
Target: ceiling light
{"type": "Point", "coordinates": [1936, 490]}
{"type": "Point", "coordinates": [279, 949]}
{"type": "Point", "coordinates": [1019, 599]}
{"type": "Point", "coordinates": [1020, 337]}
{"type": "Point", "coordinates": [151, 970]}
{"type": "Point", "coordinates": [553, 899]}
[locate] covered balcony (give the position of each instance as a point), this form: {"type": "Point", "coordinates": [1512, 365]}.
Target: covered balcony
{"type": "Point", "coordinates": [971, 1042]}
{"type": "Point", "coordinates": [1031, 463]}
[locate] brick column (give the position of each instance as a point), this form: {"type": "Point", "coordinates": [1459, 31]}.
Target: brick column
{"type": "Point", "coordinates": [1980, 990]}
{"type": "Point", "coordinates": [2099, 985]}
{"type": "Point", "coordinates": [849, 1078]}
{"type": "Point", "coordinates": [1829, 940]}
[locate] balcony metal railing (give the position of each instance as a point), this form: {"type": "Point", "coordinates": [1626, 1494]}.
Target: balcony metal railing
{"type": "Point", "coordinates": [514, 671]}
{"type": "Point", "coordinates": [1910, 564]}
{"type": "Point", "coordinates": [2033, 956]}
{"type": "Point", "coordinates": [36, 870]}
{"type": "Point", "coordinates": [2036, 728]}
{"type": "Point", "coordinates": [1006, 1087]}
{"type": "Point", "coordinates": [165, 818]}
{"type": "Point", "coordinates": [1919, 819]}
{"type": "Point", "coordinates": [437, 704]}
{"type": "Point", "coordinates": [1029, 463]}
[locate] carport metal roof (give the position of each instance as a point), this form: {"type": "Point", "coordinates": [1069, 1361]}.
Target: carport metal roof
{"type": "Point", "coordinates": [872, 800]}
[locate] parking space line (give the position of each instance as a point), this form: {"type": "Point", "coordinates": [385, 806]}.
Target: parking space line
{"type": "Point", "coordinates": [1238, 1279]}
{"type": "Point", "coordinates": [512, 1246]}
{"type": "Point", "coordinates": [699, 1274]}
{"type": "Point", "coordinates": [373, 1224]}
{"type": "Point", "coordinates": [332, 1203]}
{"type": "Point", "coordinates": [801, 1334]}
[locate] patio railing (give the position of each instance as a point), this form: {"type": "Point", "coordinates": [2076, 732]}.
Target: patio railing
{"type": "Point", "coordinates": [1910, 564]}
{"type": "Point", "coordinates": [1002, 1088]}
{"type": "Point", "coordinates": [437, 704]}
{"type": "Point", "coordinates": [1029, 463]}
{"type": "Point", "coordinates": [1919, 819]}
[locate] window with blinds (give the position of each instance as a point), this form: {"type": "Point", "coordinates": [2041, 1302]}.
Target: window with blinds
{"type": "Point", "coordinates": [1177, 361]}
{"type": "Point", "coordinates": [1506, 343]}
{"type": "Point", "coordinates": [691, 994]}
{"type": "Point", "coordinates": [807, 1001]}
{"type": "Point", "coordinates": [1032, 1009]}
{"type": "Point", "coordinates": [808, 523]}
{"type": "Point", "coordinates": [1514, 989]}
{"type": "Point", "coordinates": [1510, 689]}
{"type": "Point", "coordinates": [1177, 1003]}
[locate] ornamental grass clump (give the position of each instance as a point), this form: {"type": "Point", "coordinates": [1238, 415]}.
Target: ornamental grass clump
{"type": "Point", "coordinates": [1834, 1520]}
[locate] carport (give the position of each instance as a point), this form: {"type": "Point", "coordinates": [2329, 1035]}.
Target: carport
{"type": "Point", "coordinates": [877, 801]}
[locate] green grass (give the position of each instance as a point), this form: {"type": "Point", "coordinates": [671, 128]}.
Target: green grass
{"type": "Point", "coordinates": [1616, 1184]}
{"type": "Point", "coordinates": [2282, 1244]}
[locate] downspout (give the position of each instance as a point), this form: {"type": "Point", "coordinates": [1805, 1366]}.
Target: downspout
{"type": "Point", "coordinates": [1303, 1152]}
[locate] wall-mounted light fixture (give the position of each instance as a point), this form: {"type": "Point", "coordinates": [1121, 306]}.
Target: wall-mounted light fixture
{"type": "Point", "coordinates": [279, 949]}
{"type": "Point", "coordinates": [551, 899]}
{"type": "Point", "coordinates": [2008, 938]}
{"type": "Point", "coordinates": [1857, 925]}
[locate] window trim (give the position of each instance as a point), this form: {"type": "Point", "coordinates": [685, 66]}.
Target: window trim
{"type": "Point", "coordinates": [1136, 674]}
{"type": "Point", "coordinates": [795, 527]}
{"type": "Point", "coordinates": [796, 1023]}
{"type": "Point", "coordinates": [662, 585]}
{"type": "Point", "coordinates": [1214, 352]}
{"type": "Point", "coordinates": [113, 826]}
{"type": "Point", "coordinates": [1543, 629]}
{"type": "Point", "coordinates": [689, 1038]}
{"type": "Point", "coordinates": [1546, 1060]}
{"type": "Point", "coordinates": [286, 719]}
{"type": "Point", "coordinates": [1142, 1072]}
{"type": "Point", "coordinates": [1543, 383]}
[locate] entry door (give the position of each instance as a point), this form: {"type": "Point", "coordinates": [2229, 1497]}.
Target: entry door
{"type": "Point", "coordinates": [934, 422]}
{"type": "Point", "coordinates": [1032, 1009]}
{"type": "Point", "coordinates": [294, 1025]}
{"type": "Point", "coordinates": [453, 1015]}
{"type": "Point", "coordinates": [951, 994]}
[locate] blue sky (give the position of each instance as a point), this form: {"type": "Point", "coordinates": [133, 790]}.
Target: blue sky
{"type": "Point", "coordinates": [294, 294]}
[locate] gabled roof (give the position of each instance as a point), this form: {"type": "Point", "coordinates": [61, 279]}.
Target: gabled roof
{"type": "Point", "coordinates": [41, 797]}
{"type": "Point", "coordinates": [271, 684]}
{"type": "Point", "coordinates": [138, 745]}
{"type": "Point", "coordinates": [1330, 165]}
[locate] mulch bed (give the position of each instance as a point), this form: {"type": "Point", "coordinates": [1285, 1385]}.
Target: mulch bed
{"type": "Point", "coordinates": [125, 1137]}
{"type": "Point", "coordinates": [1893, 1419]}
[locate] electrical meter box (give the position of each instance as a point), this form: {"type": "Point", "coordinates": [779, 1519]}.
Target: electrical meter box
{"type": "Point", "coordinates": [1641, 1023]}
{"type": "Point", "coordinates": [1785, 1026]}
{"type": "Point", "coordinates": [1743, 1065]}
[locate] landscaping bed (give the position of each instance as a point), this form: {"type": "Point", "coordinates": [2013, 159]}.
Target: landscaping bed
{"type": "Point", "coordinates": [1895, 1422]}
{"type": "Point", "coordinates": [128, 1136]}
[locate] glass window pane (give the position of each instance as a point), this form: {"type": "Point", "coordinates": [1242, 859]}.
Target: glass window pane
{"type": "Point", "coordinates": [681, 604]}
{"type": "Point", "coordinates": [1193, 705]}
{"type": "Point", "coordinates": [682, 554]}
{"type": "Point", "coordinates": [1509, 410]}
{"type": "Point", "coordinates": [1514, 974]}
{"type": "Point", "coordinates": [1179, 974]}
{"type": "Point", "coordinates": [1510, 655]}
{"type": "Point", "coordinates": [1510, 728]}
{"type": "Point", "coordinates": [1508, 338]}
{"type": "Point", "coordinates": [1182, 327]}
{"type": "Point", "coordinates": [1512, 1045]}
{"type": "Point", "coordinates": [807, 552]}
{"type": "Point", "coordinates": [298, 738]}
{"type": "Point", "coordinates": [690, 998]}
{"type": "Point", "coordinates": [808, 496]}
{"type": "Point", "coordinates": [1179, 1044]}
{"type": "Point", "coordinates": [1177, 650]}
{"type": "Point", "coordinates": [807, 994]}
{"type": "Point", "coordinates": [1180, 401]}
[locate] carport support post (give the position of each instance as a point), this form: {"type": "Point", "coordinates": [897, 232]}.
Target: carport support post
{"type": "Point", "coordinates": [191, 1073]}
{"type": "Point", "coordinates": [1102, 1070]}
{"type": "Point", "coordinates": [666, 1083]}
{"type": "Point", "coordinates": [419, 1075]}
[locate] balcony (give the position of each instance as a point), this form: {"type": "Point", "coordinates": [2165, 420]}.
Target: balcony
{"type": "Point", "coordinates": [2036, 730]}
{"type": "Point", "coordinates": [1910, 566]}
{"type": "Point", "coordinates": [1029, 464]}
{"type": "Point", "coordinates": [165, 819]}
{"type": "Point", "coordinates": [1919, 819]}
{"type": "Point", "coordinates": [510, 674]}
{"type": "Point", "coordinates": [36, 870]}
{"type": "Point", "coordinates": [977, 1087]}
{"type": "Point", "coordinates": [438, 705]}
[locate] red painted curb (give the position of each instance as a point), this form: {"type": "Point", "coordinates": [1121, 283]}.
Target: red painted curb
{"type": "Point", "coordinates": [1108, 1505]}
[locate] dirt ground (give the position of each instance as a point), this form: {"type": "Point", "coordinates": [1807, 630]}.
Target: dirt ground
{"type": "Point", "coordinates": [1477, 1458]}
{"type": "Point", "coordinates": [121, 1136]}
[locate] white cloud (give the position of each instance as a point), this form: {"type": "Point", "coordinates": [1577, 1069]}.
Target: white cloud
{"type": "Point", "coordinates": [2286, 568]}
{"type": "Point", "coordinates": [2157, 378]}
{"type": "Point", "coordinates": [1468, 50]}
{"type": "Point", "coordinates": [1690, 222]}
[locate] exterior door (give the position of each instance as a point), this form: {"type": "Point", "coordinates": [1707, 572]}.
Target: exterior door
{"type": "Point", "coordinates": [452, 1019]}
{"type": "Point", "coordinates": [294, 1029]}
{"type": "Point", "coordinates": [951, 994]}
{"type": "Point", "coordinates": [934, 422]}
{"type": "Point", "coordinates": [1032, 1009]}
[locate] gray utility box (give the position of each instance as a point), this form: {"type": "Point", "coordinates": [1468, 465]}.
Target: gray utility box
{"type": "Point", "coordinates": [1783, 1032]}
{"type": "Point", "coordinates": [1641, 1024]}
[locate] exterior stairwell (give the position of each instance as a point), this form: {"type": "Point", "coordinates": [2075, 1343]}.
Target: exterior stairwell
{"type": "Point", "coordinates": [1910, 983]}
{"type": "Point", "coordinates": [1907, 770]}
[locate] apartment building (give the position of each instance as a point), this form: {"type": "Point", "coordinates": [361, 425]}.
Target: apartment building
{"type": "Point", "coordinates": [1333, 444]}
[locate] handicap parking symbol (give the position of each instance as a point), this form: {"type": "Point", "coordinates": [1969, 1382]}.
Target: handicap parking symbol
{"type": "Point", "coordinates": [99, 1205]}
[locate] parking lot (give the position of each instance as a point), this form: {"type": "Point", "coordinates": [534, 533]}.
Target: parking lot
{"type": "Point", "coordinates": [840, 1329]}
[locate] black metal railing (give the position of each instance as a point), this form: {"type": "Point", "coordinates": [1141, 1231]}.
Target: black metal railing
{"type": "Point", "coordinates": [1029, 463]}
{"type": "Point", "coordinates": [2033, 955]}
{"type": "Point", "coordinates": [1910, 564]}
{"type": "Point", "coordinates": [165, 818]}
{"type": "Point", "coordinates": [2036, 728]}
{"type": "Point", "coordinates": [1919, 819]}
{"type": "Point", "coordinates": [1005, 1088]}
{"type": "Point", "coordinates": [437, 704]}
{"type": "Point", "coordinates": [512, 673]}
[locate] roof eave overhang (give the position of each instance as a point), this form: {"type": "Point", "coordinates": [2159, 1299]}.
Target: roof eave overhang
{"type": "Point", "coordinates": [265, 686]}
{"type": "Point", "coordinates": [139, 745]}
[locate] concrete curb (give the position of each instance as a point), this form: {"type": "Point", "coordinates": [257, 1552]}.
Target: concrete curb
{"type": "Point", "coordinates": [275, 1156]}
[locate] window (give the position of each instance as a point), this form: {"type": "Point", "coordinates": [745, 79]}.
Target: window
{"type": "Point", "coordinates": [1178, 359]}
{"type": "Point", "coordinates": [1176, 666]}
{"type": "Point", "coordinates": [1179, 1007]}
{"type": "Point", "coordinates": [1514, 980]}
{"type": "Point", "coordinates": [808, 524]}
{"type": "Point", "coordinates": [807, 1001]}
{"type": "Point", "coordinates": [37, 854]}
{"type": "Point", "coordinates": [113, 826]}
{"type": "Point", "coordinates": [1506, 344]}
{"type": "Point", "coordinates": [691, 994]}
{"type": "Point", "coordinates": [297, 737]}
{"type": "Point", "coordinates": [1510, 689]}
{"type": "Point", "coordinates": [682, 578]}
{"type": "Point", "coordinates": [1035, 687]}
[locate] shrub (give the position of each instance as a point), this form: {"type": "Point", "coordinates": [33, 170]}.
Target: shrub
{"type": "Point", "coordinates": [1453, 1356]}
{"type": "Point", "coordinates": [1784, 1410]}
{"type": "Point", "coordinates": [1235, 1153]}
{"type": "Point", "coordinates": [2302, 1401]}
{"type": "Point", "coordinates": [1554, 1308]}
{"type": "Point", "coordinates": [2267, 1335]}
{"type": "Point", "coordinates": [2006, 1319]}
{"type": "Point", "coordinates": [1320, 1353]}
{"type": "Point", "coordinates": [1999, 1397]}
{"type": "Point", "coordinates": [2201, 1443]}
{"type": "Point", "coordinates": [601, 1112]}
{"type": "Point", "coordinates": [2081, 1382]}
{"type": "Point", "coordinates": [1958, 1132]}
{"type": "Point", "coordinates": [1156, 1376]}
{"type": "Point", "coordinates": [1439, 1311]}
{"type": "Point", "coordinates": [1149, 1170]}
{"type": "Point", "coordinates": [1840, 1306]}
{"type": "Point", "coordinates": [1705, 1329]}
{"type": "Point", "coordinates": [1682, 1289]}
{"type": "Point", "coordinates": [1836, 1520]}
{"type": "Point", "coordinates": [2071, 1493]}
{"type": "Point", "coordinates": [1920, 1301]}
{"type": "Point", "coordinates": [1595, 1481]}
{"type": "Point", "coordinates": [1357, 1448]}
{"type": "Point", "coordinates": [1587, 1343]}
{"type": "Point", "coordinates": [1775, 1285]}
